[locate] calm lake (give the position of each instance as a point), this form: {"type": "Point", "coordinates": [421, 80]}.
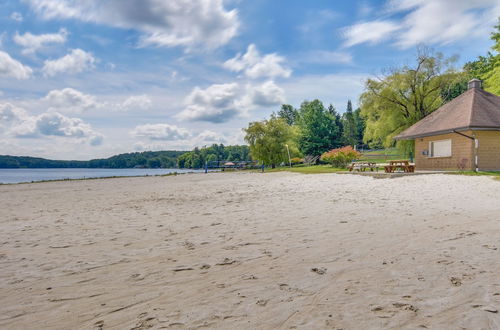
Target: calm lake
{"type": "Point", "coordinates": [17, 175]}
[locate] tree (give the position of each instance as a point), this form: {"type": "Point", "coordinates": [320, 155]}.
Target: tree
{"type": "Point", "coordinates": [318, 131]}
{"type": "Point", "coordinates": [288, 113]}
{"type": "Point", "coordinates": [360, 125]}
{"type": "Point", "coordinates": [350, 132]}
{"type": "Point", "coordinates": [396, 101]}
{"type": "Point", "coordinates": [268, 140]}
{"type": "Point", "coordinates": [338, 122]}
{"type": "Point", "coordinates": [487, 68]}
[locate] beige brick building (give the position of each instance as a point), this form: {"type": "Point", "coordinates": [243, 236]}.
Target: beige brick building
{"type": "Point", "coordinates": [464, 134]}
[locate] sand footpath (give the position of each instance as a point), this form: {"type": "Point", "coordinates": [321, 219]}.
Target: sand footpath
{"type": "Point", "coordinates": [251, 251]}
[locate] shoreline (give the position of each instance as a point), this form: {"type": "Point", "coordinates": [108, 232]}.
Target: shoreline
{"type": "Point", "coordinates": [184, 171]}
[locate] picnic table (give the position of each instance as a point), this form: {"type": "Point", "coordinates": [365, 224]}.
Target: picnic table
{"type": "Point", "coordinates": [400, 166]}
{"type": "Point", "coordinates": [362, 166]}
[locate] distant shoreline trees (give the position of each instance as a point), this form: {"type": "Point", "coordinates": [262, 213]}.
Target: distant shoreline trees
{"type": "Point", "coordinates": [198, 157]}
{"type": "Point", "coordinates": [146, 159]}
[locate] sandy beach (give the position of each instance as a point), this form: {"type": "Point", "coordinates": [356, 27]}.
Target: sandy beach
{"type": "Point", "coordinates": [251, 251]}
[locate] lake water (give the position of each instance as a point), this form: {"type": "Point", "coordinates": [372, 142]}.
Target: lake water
{"type": "Point", "coordinates": [17, 175]}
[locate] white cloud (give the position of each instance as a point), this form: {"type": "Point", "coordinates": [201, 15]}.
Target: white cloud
{"type": "Point", "coordinates": [267, 94]}
{"type": "Point", "coordinates": [427, 21]}
{"type": "Point", "coordinates": [256, 66]}
{"type": "Point", "coordinates": [32, 42]}
{"type": "Point", "coordinates": [442, 21]}
{"type": "Point", "coordinates": [184, 142]}
{"type": "Point", "coordinates": [208, 137]}
{"type": "Point", "coordinates": [164, 23]}
{"type": "Point", "coordinates": [370, 32]}
{"type": "Point", "coordinates": [16, 122]}
{"type": "Point", "coordinates": [161, 132]}
{"type": "Point", "coordinates": [326, 57]}
{"type": "Point", "coordinates": [136, 102]}
{"type": "Point", "coordinates": [218, 103]}
{"type": "Point", "coordinates": [11, 68]}
{"type": "Point", "coordinates": [11, 114]}
{"type": "Point", "coordinates": [58, 125]}
{"type": "Point", "coordinates": [75, 62]}
{"type": "Point", "coordinates": [70, 100]}
{"type": "Point", "coordinates": [16, 16]}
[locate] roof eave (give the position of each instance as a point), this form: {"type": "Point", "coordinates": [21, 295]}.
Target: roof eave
{"type": "Point", "coordinates": [447, 131]}
{"type": "Point", "coordinates": [417, 136]}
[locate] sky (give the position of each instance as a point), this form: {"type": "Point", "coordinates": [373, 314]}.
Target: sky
{"type": "Point", "coordinates": [95, 78]}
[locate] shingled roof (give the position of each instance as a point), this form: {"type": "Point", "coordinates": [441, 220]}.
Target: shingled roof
{"type": "Point", "coordinates": [474, 109]}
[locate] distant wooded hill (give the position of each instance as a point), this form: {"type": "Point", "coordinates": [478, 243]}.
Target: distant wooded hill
{"type": "Point", "coordinates": [147, 159]}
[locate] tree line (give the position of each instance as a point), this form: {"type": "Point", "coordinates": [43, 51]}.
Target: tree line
{"type": "Point", "coordinates": [198, 157]}
{"type": "Point", "coordinates": [146, 159]}
{"type": "Point", "coordinates": [310, 130]}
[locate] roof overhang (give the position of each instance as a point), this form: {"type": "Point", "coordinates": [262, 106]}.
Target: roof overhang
{"type": "Point", "coordinates": [447, 131]}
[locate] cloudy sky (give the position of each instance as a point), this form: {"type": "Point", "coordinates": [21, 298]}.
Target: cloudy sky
{"type": "Point", "coordinates": [93, 78]}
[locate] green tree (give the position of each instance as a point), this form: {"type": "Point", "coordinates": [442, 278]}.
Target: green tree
{"type": "Point", "coordinates": [288, 113]}
{"type": "Point", "coordinates": [154, 163]}
{"type": "Point", "coordinates": [338, 122]}
{"type": "Point", "coordinates": [350, 132]}
{"type": "Point", "coordinates": [211, 158]}
{"type": "Point", "coordinates": [487, 68]}
{"type": "Point", "coordinates": [268, 140]}
{"type": "Point", "coordinates": [318, 131]}
{"type": "Point", "coordinates": [396, 101]}
{"type": "Point", "coordinates": [360, 125]}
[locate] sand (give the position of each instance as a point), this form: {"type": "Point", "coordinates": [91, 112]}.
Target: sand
{"type": "Point", "coordinates": [251, 251]}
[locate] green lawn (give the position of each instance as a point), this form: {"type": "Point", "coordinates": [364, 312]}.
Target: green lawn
{"type": "Point", "coordinates": [495, 174]}
{"type": "Point", "coordinates": [382, 156]}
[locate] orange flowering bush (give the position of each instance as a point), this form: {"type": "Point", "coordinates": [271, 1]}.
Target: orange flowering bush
{"type": "Point", "coordinates": [296, 160]}
{"type": "Point", "coordinates": [340, 157]}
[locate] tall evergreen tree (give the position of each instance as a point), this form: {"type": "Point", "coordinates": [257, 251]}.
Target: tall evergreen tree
{"type": "Point", "coordinates": [360, 126]}
{"type": "Point", "coordinates": [338, 122]}
{"type": "Point", "coordinates": [288, 113]}
{"type": "Point", "coordinates": [349, 134]}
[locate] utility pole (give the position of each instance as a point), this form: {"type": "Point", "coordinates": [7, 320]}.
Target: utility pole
{"type": "Point", "coordinates": [289, 159]}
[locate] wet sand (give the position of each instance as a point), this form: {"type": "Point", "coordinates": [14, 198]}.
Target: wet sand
{"type": "Point", "coordinates": [251, 251]}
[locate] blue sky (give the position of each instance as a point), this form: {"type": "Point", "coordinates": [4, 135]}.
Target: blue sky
{"type": "Point", "coordinates": [87, 79]}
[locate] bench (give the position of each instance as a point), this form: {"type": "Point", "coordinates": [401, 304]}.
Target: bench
{"type": "Point", "coordinates": [362, 166]}
{"type": "Point", "coordinates": [399, 165]}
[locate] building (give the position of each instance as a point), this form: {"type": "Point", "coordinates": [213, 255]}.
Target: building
{"type": "Point", "coordinates": [463, 134]}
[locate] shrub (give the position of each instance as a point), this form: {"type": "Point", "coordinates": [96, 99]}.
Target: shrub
{"type": "Point", "coordinates": [296, 160]}
{"type": "Point", "coordinates": [340, 157]}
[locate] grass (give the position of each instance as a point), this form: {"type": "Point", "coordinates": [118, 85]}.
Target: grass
{"type": "Point", "coordinates": [495, 174]}
{"type": "Point", "coordinates": [382, 156]}
{"type": "Point", "coordinates": [388, 152]}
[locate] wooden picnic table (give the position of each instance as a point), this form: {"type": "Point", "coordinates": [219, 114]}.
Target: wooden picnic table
{"type": "Point", "coordinates": [399, 165]}
{"type": "Point", "coordinates": [362, 166]}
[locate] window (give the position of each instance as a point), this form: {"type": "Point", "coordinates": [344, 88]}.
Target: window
{"type": "Point", "coordinates": [441, 148]}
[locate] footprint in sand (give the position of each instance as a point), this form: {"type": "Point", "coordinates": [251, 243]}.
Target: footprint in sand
{"type": "Point", "coordinates": [226, 261]}
{"type": "Point", "coordinates": [319, 271]}
{"type": "Point", "coordinates": [455, 281]}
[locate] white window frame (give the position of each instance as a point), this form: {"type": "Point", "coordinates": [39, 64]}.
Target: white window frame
{"type": "Point", "coordinates": [431, 149]}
